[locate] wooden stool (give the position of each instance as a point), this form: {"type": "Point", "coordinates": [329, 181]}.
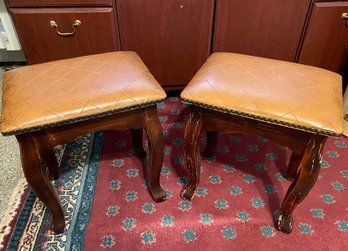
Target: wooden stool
{"type": "Point", "coordinates": [295, 105]}
{"type": "Point", "coordinates": [52, 103]}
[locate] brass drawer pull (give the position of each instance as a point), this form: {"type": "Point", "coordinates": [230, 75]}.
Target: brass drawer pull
{"type": "Point", "coordinates": [345, 17]}
{"type": "Point", "coordinates": [54, 25]}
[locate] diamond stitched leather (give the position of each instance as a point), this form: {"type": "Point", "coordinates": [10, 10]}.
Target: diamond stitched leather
{"type": "Point", "coordinates": [289, 94]}
{"type": "Point", "coordinates": [63, 91]}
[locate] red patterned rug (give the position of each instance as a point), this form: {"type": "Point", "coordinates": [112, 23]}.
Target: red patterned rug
{"type": "Point", "coordinates": [107, 205]}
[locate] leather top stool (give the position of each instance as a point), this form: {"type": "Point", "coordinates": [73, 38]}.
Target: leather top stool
{"type": "Point", "coordinates": [295, 105]}
{"type": "Point", "coordinates": [52, 103]}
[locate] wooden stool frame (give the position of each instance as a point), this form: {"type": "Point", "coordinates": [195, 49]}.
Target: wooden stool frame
{"type": "Point", "coordinates": [37, 146]}
{"type": "Point", "coordinates": [303, 166]}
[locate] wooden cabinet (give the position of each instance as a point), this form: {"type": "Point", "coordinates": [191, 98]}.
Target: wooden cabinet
{"type": "Point", "coordinates": [41, 42]}
{"type": "Point", "coordinates": [268, 28]}
{"type": "Point", "coordinates": [172, 37]}
{"type": "Point", "coordinates": [326, 36]}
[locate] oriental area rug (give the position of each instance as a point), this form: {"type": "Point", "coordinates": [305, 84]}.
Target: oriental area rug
{"type": "Point", "coordinates": [107, 206]}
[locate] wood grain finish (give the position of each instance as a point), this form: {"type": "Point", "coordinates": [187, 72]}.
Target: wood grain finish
{"type": "Point", "coordinates": [38, 3]}
{"type": "Point", "coordinates": [172, 37]}
{"type": "Point", "coordinates": [41, 43]}
{"type": "Point", "coordinates": [307, 151]}
{"type": "Point", "coordinates": [326, 40]}
{"type": "Point", "coordinates": [267, 28]}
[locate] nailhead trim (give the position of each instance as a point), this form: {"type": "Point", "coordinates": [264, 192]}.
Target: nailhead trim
{"type": "Point", "coordinates": [264, 119]}
{"type": "Point", "coordinates": [82, 118]}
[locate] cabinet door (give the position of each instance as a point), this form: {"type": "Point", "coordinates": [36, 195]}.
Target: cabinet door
{"type": "Point", "coordinates": [172, 37]}
{"type": "Point", "coordinates": [268, 28]}
{"type": "Point", "coordinates": [97, 32]}
{"type": "Point", "coordinates": [326, 37]}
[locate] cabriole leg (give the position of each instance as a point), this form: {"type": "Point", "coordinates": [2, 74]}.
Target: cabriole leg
{"type": "Point", "coordinates": [38, 180]}
{"type": "Point", "coordinates": [308, 173]}
{"type": "Point", "coordinates": [191, 152]}
{"type": "Point", "coordinates": [156, 153]}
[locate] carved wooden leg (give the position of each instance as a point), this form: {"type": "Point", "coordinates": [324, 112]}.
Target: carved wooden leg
{"type": "Point", "coordinates": [309, 170]}
{"type": "Point", "coordinates": [156, 153]}
{"type": "Point", "coordinates": [38, 180]}
{"type": "Point", "coordinates": [191, 152]}
{"type": "Point", "coordinates": [52, 165]}
{"type": "Point", "coordinates": [212, 137]}
{"type": "Point", "coordinates": [294, 164]}
{"type": "Point", "coordinates": [137, 140]}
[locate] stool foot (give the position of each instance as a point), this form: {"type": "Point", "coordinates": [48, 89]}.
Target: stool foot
{"type": "Point", "coordinates": [156, 154]}
{"type": "Point", "coordinates": [191, 151]}
{"type": "Point", "coordinates": [188, 192]}
{"type": "Point", "coordinates": [137, 141]}
{"type": "Point", "coordinates": [284, 224]}
{"type": "Point", "coordinates": [157, 193]}
{"type": "Point", "coordinates": [57, 227]}
{"type": "Point", "coordinates": [300, 187]}
{"type": "Point", "coordinates": [38, 180]}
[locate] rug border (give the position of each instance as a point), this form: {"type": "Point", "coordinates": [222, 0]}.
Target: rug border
{"type": "Point", "coordinates": [15, 205]}
{"type": "Point", "coordinates": [92, 171]}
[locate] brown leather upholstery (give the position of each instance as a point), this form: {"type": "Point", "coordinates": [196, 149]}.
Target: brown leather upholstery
{"type": "Point", "coordinates": [71, 90]}
{"type": "Point", "coordinates": [279, 92]}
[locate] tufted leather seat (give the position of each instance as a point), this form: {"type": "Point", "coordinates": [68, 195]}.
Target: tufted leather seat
{"type": "Point", "coordinates": [279, 92]}
{"type": "Point", "coordinates": [52, 103]}
{"type": "Point", "coordinates": [295, 105]}
{"type": "Point", "coordinates": [65, 91]}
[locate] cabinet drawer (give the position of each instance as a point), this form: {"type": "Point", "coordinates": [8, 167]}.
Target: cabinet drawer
{"type": "Point", "coordinates": [42, 3]}
{"type": "Point", "coordinates": [97, 32]}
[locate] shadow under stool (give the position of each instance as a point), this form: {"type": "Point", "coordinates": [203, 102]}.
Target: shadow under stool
{"type": "Point", "coordinates": [294, 105]}
{"type": "Point", "coordinates": [48, 104]}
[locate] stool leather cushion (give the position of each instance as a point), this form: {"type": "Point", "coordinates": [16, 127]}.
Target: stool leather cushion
{"type": "Point", "coordinates": [289, 94]}
{"type": "Point", "coordinates": [76, 89]}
